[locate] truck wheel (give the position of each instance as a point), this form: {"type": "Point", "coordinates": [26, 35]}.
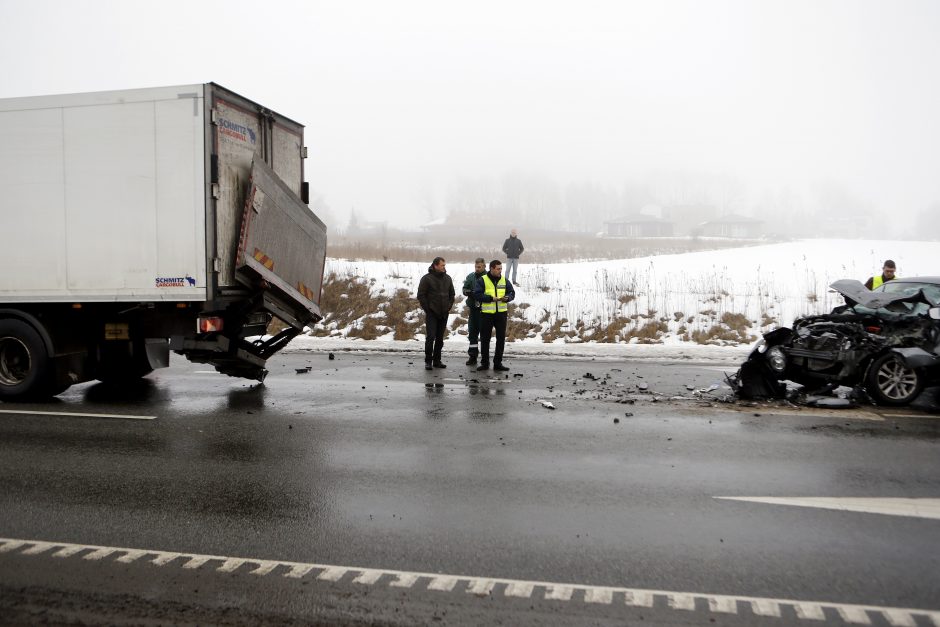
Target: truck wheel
{"type": "Point", "coordinates": [24, 363]}
{"type": "Point", "coordinates": [892, 382]}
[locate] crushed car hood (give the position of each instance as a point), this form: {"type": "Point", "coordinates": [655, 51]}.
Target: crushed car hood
{"type": "Point", "coordinates": [856, 291]}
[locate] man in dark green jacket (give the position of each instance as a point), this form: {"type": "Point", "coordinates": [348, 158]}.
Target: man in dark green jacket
{"type": "Point", "coordinates": [473, 324]}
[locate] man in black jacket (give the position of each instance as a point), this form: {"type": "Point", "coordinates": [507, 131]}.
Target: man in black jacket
{"type": "Point", "coordinates": [436, 295]}
{"type": "Point", "coordinates": [513, 248]}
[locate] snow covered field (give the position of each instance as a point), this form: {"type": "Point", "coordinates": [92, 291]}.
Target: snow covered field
{"type": "Point", "coordinates": [769, 285]}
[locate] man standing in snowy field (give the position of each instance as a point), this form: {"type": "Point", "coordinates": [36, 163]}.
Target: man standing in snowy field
{"type": "Point", "coordinates": [436, 295]}
{"type": "Point", "coordinates": [513, 248]}
{"type": "Point", "coordinates": [887, 274]}
{"type": "Point", "coordinates": [473, 322]}
{"type": "Point", "coordinates": [494, 292]}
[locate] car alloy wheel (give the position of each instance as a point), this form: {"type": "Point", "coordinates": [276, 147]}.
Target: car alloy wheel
{"type": "Point", "coordinates": [892, 382]}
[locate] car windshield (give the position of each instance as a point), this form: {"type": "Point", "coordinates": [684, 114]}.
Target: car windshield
{"type": "Point", "coordinates": [931, 290]}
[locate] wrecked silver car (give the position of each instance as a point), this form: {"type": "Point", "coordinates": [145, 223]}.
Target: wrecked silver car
{"type": "Point", "coordinates": [884, 343]}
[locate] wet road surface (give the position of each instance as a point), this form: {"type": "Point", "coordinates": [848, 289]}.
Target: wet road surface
{"type": "Point", "coordinates": [370, 462]}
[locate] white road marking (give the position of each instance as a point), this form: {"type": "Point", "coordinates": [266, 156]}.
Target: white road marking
{"type": "Point", "coordinates": [195, 563]}
{"type": "Point", "coordinates": [809, 611]}
{"type": "Point", "coordinates": [38, 547]}
{"type": "Point", "coordinates": [443, 583]}
{"type": "Point", "coordinates": [481, 586]}
{"type": "Point", "coordinates": [368, 576]}
{"type": "Point", "coordinates": [131, 555]}
{"type": "Point", "coordinates": [522, 589]}
{"type": "Point", "coordinates": [74, 414]}
{"type": "Point", "coordinates": [265, 567]}
{"type": "Point", "coordinates": [681, 601]}
{"type": "Point", "coordinates": [561, 592]}
{"type": "Point", "coordinates": [230, 565]}
{"type": "Point", "coordinates": [404, 580]}
{"type": "Point", "coordinates": [854, 615]}
{"type": "Point", "coordinates": [100, 553]}
{"type": "Point", "coordinates": [724, 605]}
{"type": "Point", "coordinates": [12, 545]}
{"type": "Point", "coordinates": [163, 558]}
{"type": "Point", "coordinates": [914, 508]}
{"type": "Point", "coordinates": [899, 619]}
{"type": "Point", "coordinates": [298, 571]}
{"type": "Point", "coordinates": [639, 598]}
{"type": "Point", "coordinates": [766, 608]}
{"type": "Point", "coordinates": [599, 595]}
{"type": "Point", "coordinates": [333, 573]}
{"type": "Point", "coordinates": [68, 551]}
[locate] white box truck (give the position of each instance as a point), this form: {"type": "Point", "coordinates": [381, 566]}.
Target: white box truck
{"type": "Point", "coordinates": [137, 222]}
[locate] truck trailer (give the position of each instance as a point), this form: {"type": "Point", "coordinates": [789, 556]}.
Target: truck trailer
{"type": "Point", "coordinates": [138, 222]}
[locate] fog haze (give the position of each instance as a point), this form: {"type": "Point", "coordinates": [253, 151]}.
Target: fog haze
{"type": "Point", "coordinates": [408, 103]}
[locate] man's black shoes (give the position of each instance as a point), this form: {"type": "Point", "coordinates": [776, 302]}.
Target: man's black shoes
{"type": "Point", "coordinates": [483, 366]}
{"type": "Point", "coordinates": [438, 364]}
{"type": "Point", "coordinates": [427, 365]}
{"type": "Point", "coordinates": [500, 368]}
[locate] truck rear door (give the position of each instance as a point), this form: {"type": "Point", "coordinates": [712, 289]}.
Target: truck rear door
{"type": "Point", "coordinates": [282, 246]}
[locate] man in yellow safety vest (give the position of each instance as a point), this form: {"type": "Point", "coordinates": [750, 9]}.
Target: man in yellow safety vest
{"type": "Point", "coordinates": [887, 274]}
{"type": "Point", "coordinates": [493, 292]}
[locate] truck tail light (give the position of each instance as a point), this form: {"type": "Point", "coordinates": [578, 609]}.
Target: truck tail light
{"type": "Point", "coordinates": [211, 324]}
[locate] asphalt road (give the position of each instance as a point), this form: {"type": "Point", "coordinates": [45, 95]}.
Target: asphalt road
{"type": "Point", "coordinates": [369, 491]}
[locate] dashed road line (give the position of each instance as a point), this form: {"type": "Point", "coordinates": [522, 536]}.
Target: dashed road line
{"type": "Point", "coordinates": [72, 414]}
{"type": "Point", "coordinates": [517, 588]}
{"type": "Point", "coordinates": [889, 506]}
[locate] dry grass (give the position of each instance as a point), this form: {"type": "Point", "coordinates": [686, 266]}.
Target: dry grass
{"type": "Point", "coordinates": [518, 328]}
{"type": "Point", "coordinates": [614, 331]}
{"type": "Point", "coordinates": [351, 309]}
{"type": "Point", "coordinates": [732, 329]}
{"type": "Point", "coordinates": [347, 303]}
{"type": "Point", "coordinates": [555, 331]}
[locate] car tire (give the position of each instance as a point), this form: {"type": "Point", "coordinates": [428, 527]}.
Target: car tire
{"type": "Point", "coordinates": [24, 362]}
{"type": "Point", "coordinates": [892, 382]}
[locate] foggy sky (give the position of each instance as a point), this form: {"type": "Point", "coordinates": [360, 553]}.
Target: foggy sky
{"type": "Point", "coordinates": [400, 99]}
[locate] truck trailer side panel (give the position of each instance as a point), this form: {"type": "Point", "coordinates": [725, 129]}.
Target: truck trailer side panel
{"type": "Point", "coordinates": [109, 205]}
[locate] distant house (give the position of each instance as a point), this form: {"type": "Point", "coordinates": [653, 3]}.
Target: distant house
{"type": "Point", "coordinates": [639, 226]}
{"type": "Point", "coordinates": [732, 225]}
{"type": "Point", "coordinates": [688, 219]}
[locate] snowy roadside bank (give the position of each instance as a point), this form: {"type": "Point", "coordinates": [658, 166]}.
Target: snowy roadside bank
{"type": "Point", "coordinates": [457, 348]}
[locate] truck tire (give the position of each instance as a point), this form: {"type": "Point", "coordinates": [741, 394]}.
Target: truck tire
{"type": "Point", "coordinates": [25, 367]}
{"type": "Point", "coordinates": [892, 382]}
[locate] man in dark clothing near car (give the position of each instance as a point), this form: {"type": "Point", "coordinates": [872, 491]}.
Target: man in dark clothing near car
{"type": "Point", "coordinates": [887, 274]}
{"type": "Point", "coordinates": [436, 295]}
{"type": "Point", "coordinates": [513, 248]}
{"type": "Point", "coordinates": [473, 323]}
{"type": "Point", "coordinates": [493, 291]}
